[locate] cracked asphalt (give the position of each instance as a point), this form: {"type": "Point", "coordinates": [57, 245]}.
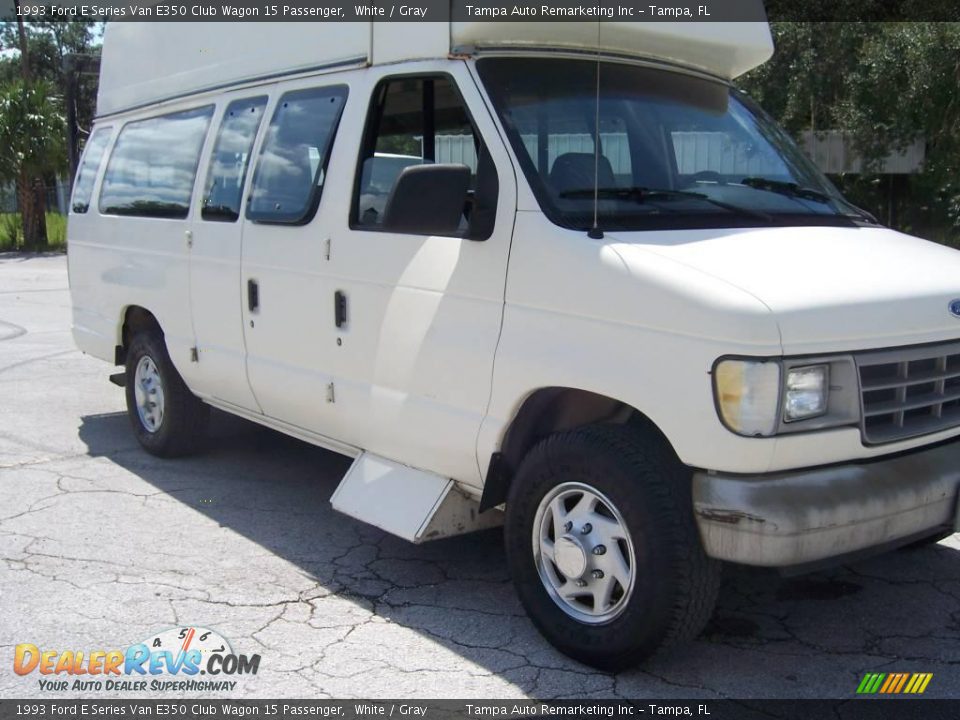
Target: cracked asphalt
{"type": "Point", "coordinates": [103, 545]}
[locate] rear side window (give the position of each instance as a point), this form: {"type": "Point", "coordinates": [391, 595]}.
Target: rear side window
{"type": "Point", "coordinates": [231, 156]}
{"type": "Point", "coordinates": [87, 175]}
{"type": "Point", "coordinates": [290, 173]}
{"type": "Point", "coordinates": [154, 164]}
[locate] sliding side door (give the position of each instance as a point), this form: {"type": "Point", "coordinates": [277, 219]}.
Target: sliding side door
{"type": "Point", "coordinates": [286, 295]}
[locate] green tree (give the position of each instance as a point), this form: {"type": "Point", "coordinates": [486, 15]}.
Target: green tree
{"type": "Point", "coordinates": [886, 84]}
{"type": "Point", "coordinates": [805, 81]}
{"type": "Point", "coordinates": [905, 87]}
{"type": "Point", "coordinates": [34, 84]}
{"type": "Point", "coordinates": [32, 132]}
{"type": "Point", "coordinates": [49, 43]}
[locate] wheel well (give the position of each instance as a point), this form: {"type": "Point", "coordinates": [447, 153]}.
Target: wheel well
{"type": "Point", "coordinates": [135, 319]}
{"type": "Point", "coordinates": [547, 411]}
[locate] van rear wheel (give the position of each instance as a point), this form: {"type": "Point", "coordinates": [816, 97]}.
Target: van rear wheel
{"type": "Point", "coordinates": [168, 419]}
{"type": "Point", "coordinates": [603, 547]}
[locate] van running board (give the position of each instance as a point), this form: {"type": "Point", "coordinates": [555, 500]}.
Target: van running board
{"type": "Point", "coordinates": [119, 379]}
{"type": "Point", "coordinates": [413, 504]}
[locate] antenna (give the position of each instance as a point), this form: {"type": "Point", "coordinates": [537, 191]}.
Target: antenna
{"type": "Point", "coordinates": [595, 233]}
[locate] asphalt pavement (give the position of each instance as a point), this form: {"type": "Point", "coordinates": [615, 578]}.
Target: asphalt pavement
{"type": "Point", "coordinates": [103, 545]}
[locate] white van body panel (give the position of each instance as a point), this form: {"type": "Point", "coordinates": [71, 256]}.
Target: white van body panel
{"type": "Point", "coordinates": [393, 43]}
{"type": "Point", "coordinates": [215, 287]}
{"type": "Point", "coordinates": [146, 63]}
{"type": "Point", "coordinates": [413, 364]}
{"type": "Point", "coordinates": [130, 263]}
{"type": "Point", "coordinates": [806, 274]}
{"type": "Point", "coordinates": [724, 49]}
{"type": "Point", "coordinates": [121, 261]}
{"type": "Point", "coordinates": [287, 340]}
{"type": "Point", "coordinates": [628, 329]}
{"type": "Point", "coordinates": [96, 328]}
{"type": "Point", "coordinates": [657, 310]}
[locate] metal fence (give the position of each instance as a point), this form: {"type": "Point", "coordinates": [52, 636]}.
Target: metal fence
{"type": "Point", "coordinates": [832, 151]}
{"type": "Point", "coordinates": [57, 198]}
{"type": "Point", "coordinates": [694, 151]}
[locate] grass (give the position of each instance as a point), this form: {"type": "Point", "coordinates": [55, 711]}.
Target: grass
{"type": "Point", "coordinates": [11, 231]}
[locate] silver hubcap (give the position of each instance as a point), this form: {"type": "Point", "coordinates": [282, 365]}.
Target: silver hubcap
{"type": "Point", "coordinates": [584, 553]}
{"type": "Point", "coordinates": [148, 391]}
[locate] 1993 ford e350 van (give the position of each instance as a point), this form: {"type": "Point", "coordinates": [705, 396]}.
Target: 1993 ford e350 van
{"type": "Point", "coordinates": [560, 276]}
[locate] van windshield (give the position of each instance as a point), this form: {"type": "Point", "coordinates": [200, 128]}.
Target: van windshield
{"type": "Point", "coordinates": [671, 150]}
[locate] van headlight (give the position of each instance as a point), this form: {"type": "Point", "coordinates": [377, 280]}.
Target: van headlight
{"type": "Point", "coordinates": [765, 397]}
{"type": "Point", "coordinates": [747, 394]}
{"type": "Point", "coordinates": [806, 392]}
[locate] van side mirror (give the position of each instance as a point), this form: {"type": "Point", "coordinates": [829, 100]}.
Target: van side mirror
{"type": "Point", "coordinates": [428, 200]}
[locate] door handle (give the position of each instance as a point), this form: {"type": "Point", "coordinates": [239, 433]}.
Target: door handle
{"type": "Point", "coordinates": [253, 295]}
{"type": "Point", "coordinates": [339, 308]}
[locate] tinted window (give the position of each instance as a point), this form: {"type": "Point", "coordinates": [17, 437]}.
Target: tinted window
{"type": "Point", "coordinates": [153, 165]}
{"type": "Point", "coordinates": [231, 155]}
{"type": "Point", "coordinates": [568, 134]}
{"type": "Point", "coordinates": [417, 121]}
{"type": "Point", "coordinates": [655, 148]}
{"type": "Point", "coordinates": [290, 173]}
{"type": "Point", "coordinates": [87, 175]}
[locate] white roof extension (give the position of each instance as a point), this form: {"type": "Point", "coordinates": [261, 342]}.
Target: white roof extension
{"type": "Point", "coordinates": [147, 62]}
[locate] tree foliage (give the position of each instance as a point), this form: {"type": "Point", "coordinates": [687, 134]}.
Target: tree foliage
{"type": "Point", "coordinates": [49, 42]}
{"type": "Point", "coordinates": [34, 84]}
{"type": "Point", "coordinates": [32, 130]}
{"type": "Point", "coordinates": [885, 83]}
{"type": "Point", "coordinates": [32, 133]}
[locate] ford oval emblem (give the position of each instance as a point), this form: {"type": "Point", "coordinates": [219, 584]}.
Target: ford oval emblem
{"type": "Point", "coordinates": [955, 307]}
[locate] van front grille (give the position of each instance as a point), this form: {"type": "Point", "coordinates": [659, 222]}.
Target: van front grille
{"type": "Point", "coordinates": [909, 392]}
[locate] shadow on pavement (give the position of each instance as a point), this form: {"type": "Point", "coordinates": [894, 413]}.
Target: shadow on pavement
{"type": "Point", "coordinates": [275, 491]}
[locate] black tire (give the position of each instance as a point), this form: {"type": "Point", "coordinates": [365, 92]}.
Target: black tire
{"type": "Point", "coordinates": [675, 586]}
{"type": "Point", "coordinates": [181, 427]}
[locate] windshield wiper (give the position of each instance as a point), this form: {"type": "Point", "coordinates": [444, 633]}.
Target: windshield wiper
{"type": "Point", "coordinates": [642, 194]}
{"type": "Point", "coordinates": [787, 188]}
{"type": "Point", "coordinates": [806, 193]}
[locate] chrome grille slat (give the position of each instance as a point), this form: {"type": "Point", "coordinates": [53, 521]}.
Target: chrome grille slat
{"type": "Point", "coordinates": [908, 392]}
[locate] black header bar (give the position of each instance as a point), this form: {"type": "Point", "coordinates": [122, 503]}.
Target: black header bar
{"type": "Point", "coordinates": [484, 10]}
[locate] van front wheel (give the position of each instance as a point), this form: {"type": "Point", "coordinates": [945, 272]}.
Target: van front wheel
{"type": "Point", "coordinates": [167, 418]}
{"type": "Point", "coordinates": [603, 547]}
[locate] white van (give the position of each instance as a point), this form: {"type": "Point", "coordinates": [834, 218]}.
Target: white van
{"type": "Point", "coordinates": [562, 276]}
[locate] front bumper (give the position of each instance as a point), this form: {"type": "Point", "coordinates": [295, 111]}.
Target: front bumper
{"type": "Point", "coordinates": [795, 518]}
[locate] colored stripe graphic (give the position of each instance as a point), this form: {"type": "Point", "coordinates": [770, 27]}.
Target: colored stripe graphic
{"type": "Point", "coordinates": [891, 682]}
{"type": "Point", "coordinates": [870, 683]}
{"type": "Point", "coordinates": [903, 681]}
{"type": "Point", "coordinates": [894, 683]}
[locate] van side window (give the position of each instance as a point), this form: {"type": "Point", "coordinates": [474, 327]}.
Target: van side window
{"type": "Point", "coordinates": [153, 165]}
{"type": "Point", "coordinates": [230, 158]}
{"type": "Point", "coordinates": [417, 121]}
{"type": "Point", "coordinates": [87, 175]}
{"type": "Point", "coordinates": [290, 173]}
